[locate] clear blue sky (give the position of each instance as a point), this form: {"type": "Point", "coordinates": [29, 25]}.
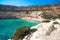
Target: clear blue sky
{"type": "Point", "coordinates": [27, 2]}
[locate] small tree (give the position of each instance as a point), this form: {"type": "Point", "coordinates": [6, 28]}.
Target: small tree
{"type": "Point", "coordinates": [46, 21]}
{"type": "Point", "coordinates": [55, 23]}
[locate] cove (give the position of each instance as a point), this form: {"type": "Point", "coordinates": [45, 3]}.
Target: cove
{"type": "Point", "coordinates": [8, 27]}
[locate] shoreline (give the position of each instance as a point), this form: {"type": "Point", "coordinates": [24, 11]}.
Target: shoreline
{"type": "Point", "coordinates": [41, 26]}
{"type": "Point", "coordinates": [33, 19]}
{"type": "Point", "coordinates": [44, 31]}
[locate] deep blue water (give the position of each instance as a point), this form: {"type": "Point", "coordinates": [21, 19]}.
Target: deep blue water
{"type": "Point", "coordinates": [8, 27]}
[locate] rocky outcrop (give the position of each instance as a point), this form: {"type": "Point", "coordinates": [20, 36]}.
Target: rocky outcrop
{"type": "Point", "coordinates": [22, 32]}
{"type": "Point", "coordinates": [46, 31]}
{"type": "Point", "coordinates": [43, 31]}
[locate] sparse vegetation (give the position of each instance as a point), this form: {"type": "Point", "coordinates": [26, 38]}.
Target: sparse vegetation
{"type": "Point", "coordinates": [48, 16]}
{"type": "Point", "coordinates": [50, 30]}
{"type": "Point", "coordinates": [58, 16]}
{"type": "Point", "coordinates": [36, 16]}
{"type": "Point", "coordinates": [46, 21]}
{"type": "Point", "coordinates": [55, 23]}
{"type": "Point", "coordinates": [33, 30]}
{"type": "Point", "coordinates": [22, 32]}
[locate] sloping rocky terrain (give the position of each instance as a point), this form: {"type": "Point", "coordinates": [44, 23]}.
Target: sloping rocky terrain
{"type": "Point", "coordinates": [7, 11]}
{"type": "Point", "coordinates": [43, 31]}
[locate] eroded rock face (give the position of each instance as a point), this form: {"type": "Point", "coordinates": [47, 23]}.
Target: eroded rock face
{"type": "Point", "coordinates": [46, 31]}
{"type": "Point", "coordinates": [13, 11]}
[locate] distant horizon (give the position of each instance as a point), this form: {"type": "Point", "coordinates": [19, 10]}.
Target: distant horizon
{"type": "Point", "coordinates": [30, 5]}
{"type": "Point", "coordinates": [28, 2]}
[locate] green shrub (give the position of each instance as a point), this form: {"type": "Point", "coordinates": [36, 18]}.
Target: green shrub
{"type": "Point", "coordinates": [58, 16]}
{"type": "Point", "coordinates": [48, 16]}
{"type": "Point", "coordinates": [21, 32]}
{"type": "Point", "coordinates": [33, 30]}
{"type": "Point", "coordinates": [55, 23]}
{"type": "Point", "coordinates": [46, 21]}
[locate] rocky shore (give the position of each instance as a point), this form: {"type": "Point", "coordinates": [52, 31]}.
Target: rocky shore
{"type": "Point", "coordinates": [46, 31]}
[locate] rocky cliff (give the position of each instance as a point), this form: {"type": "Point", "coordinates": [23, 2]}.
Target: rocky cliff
{"type": "Point", "coordinates": [7, 11]}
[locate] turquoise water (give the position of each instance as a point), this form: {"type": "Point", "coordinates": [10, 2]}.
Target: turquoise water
{"type": "Point", "coordinates": [8, 26]}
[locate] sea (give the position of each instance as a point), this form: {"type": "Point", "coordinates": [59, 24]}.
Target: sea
{"type": "Point", "coordinates": [9, 26]}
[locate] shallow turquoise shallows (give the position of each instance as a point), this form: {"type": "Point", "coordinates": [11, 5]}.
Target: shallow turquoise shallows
{"type": "Point", "coordinates": [8, 27]}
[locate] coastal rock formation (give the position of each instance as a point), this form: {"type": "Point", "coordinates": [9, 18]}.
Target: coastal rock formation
{"type": "Point", "coordinates": [22, 32]}
{"type": "Point", "coordinates": [46, 31]}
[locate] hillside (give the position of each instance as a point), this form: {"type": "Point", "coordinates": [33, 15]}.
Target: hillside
{"type": "Point", "coordinates": [14, 11]}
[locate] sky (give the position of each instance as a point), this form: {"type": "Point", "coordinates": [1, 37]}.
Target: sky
{"type": "Point", "coordinates": [28, 2]}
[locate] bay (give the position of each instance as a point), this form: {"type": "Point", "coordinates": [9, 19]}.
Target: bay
{"type": "Point", "coordinates": [8, 26]}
